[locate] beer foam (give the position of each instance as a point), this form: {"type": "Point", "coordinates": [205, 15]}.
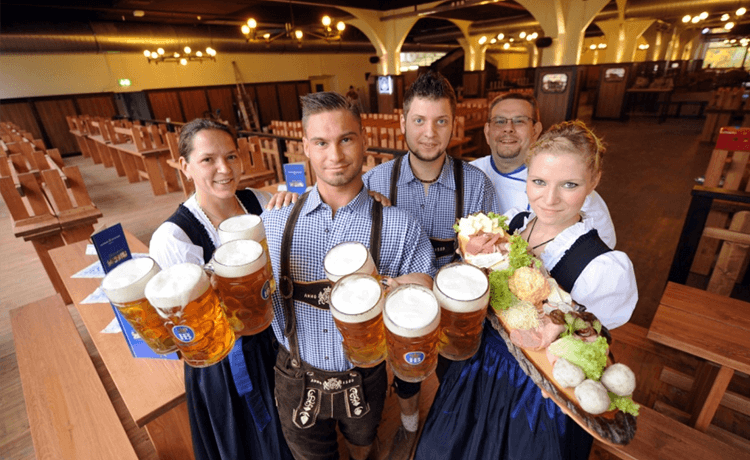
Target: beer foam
{"type": "Point", "coordinates": [461, 287]}
{"type": "Point", "coordinates": [346, 258]}
{"type": "Point", "coordinates": [353, 297]}
{"type": "Point", "coordinates": [127, 282]}
{"type": "Point", "coordinates": [242, 227]}
{"type": "Point", "coordinates": [238, 258]}
{"type": "Point", "coordinates": [411, 310]}
{"type": "Point", "coordinates": [176, 286]}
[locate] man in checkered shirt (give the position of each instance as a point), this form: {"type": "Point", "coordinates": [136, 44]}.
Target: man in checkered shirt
{"type": "Point", "coordinates": [427, 187]}
{"type": "Point", "coordinates": [337, 209]}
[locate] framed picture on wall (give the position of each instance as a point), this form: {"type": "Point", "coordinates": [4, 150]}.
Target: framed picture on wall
{"type": "Point", "coordinates": [614, 74]}
{"type": "Point", "coordinates": [554, 83]}
{"type": "Point", "coordinates": [385, 85]}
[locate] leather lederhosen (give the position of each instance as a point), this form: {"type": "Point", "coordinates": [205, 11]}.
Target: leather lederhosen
{"type": "Point", "coordinates": [315, 385]}
{"type": "Point", "coordinates": [442, 247]}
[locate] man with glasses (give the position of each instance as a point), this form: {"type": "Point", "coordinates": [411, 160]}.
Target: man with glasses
{"type": "Point", "coordinates": [513, 125]}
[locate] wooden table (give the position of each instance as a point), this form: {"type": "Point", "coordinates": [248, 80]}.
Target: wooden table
{"type": "Point", "coordinates": [712, 327]}
{"type": "Point", "coordinates": [152, 389]}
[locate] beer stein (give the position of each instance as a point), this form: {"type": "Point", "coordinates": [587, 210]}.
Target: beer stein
{"type": "Point", "coordinates": [183, 296]}
{"type": "Point", "coordinates": [463, 292]}
{"type": "Point", "coordinates": [346, 258]}
{"type": "Point", "coordinates": [242, 281]}
{"type": "Point", "coordinates": [125, 286]}
{"type": "Point", "coordinates": [247, 227]}
{"type": "Point", "coordinates": [411, 316]}
{"type": "Point", "coordinates": [357, 307]}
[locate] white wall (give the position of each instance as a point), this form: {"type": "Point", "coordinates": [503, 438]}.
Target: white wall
{"type": "Point", "coordinates": [55, 74]}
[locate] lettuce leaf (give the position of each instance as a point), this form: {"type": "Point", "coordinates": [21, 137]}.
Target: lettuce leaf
{"type": "Point", "coordinates": [623, 403]}
{"type": "Point", "coordinates": [500, 219]}
{"type": "Point", "coordinates": [589, 356]}
{"type": "Point", "coordinates": [500, 296]}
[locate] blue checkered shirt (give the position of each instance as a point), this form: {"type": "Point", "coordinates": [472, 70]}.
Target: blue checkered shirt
{"type": "Point", "coordinates": [404, 249]}
{"type": "Point", "coordinates": [437, 211]}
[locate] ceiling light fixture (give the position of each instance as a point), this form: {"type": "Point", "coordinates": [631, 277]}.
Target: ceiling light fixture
{"type": "Point", "coordinates": [182, 58]}
{"type": "Point", "coordinates": [325, 32]}
{"type": "Point", "coordinates": [729, 25]}
{"type": "Point", "coordinates": [741, 11]}
{"type": "Point", "coordinates": [725, 17]}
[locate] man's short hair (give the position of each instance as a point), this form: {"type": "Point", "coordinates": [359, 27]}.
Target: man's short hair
{"type": "Point", "coordinates": [519, 96]}
{"type": "Point", "coordinates": [433, 86]}
{"type": "Point", "coordinates": [327, 101]}
{"type": "Point", "coordinates": [191, 129]}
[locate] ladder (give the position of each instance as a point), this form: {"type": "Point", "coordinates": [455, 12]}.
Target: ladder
{"type": "Point", "coordinates": [242, 99]}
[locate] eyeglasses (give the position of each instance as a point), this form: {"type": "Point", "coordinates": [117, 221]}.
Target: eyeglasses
{"type": "Point", "coordinates": [499, 122]}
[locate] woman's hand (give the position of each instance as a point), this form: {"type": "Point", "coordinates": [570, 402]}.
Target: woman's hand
{"type": "Point", "coordinates": [282, 199]}
{"type": "Point", "coordinates": [381, 198]}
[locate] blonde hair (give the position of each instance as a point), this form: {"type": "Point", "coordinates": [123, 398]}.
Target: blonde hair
{"type": "Point", "coordinates": [571, 137]}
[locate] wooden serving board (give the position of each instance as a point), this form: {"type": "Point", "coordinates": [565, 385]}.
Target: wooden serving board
{"type": "Point", "coordinates": [613, 427]}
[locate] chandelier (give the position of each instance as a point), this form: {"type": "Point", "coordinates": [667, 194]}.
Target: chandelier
{"type": "Point", "coordinates": [182, 57]}
{"type": "Point", "coordinates": [325, 32]}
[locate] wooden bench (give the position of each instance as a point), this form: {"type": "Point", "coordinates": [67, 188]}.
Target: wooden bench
{"type": "Point", "coordinates": [659, 437]}
{"type": "Point", "coordinates": [50, 212]}
{"type": "Point", "coordinates": [70, 414]}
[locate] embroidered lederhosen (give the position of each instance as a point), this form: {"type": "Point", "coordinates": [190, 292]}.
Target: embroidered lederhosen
{"type": "Point", "coordinates": [442, 247]}
{"type": "Point", "coordinates": [585, 249]}
{"type": "Point", "coordinates": [317, 384]}
{"type": "Point", "coordinates": [198, 235]}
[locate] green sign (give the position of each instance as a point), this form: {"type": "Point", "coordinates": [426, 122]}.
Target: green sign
{"type": "Point", "coordinates": [124, 81]}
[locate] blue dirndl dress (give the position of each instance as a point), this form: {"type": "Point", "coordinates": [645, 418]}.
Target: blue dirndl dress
{"type": "Point", "coordinates": [487, 408]}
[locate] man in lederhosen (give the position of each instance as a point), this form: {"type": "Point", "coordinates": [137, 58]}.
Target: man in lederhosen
{"type": "Point", "coordinates": [436, 189]}
{"type": "Point", "coordinates": [313, 377]}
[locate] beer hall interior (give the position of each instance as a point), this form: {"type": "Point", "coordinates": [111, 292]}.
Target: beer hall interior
{"type": "Point", "coordinates": [664, 82]}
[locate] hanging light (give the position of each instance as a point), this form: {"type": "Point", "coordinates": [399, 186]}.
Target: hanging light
{"type": "Point", "coordinates": [160, 55]}
{"type": "Point", "coordinates": [703, 15]}
{"type": "Point", "coordinates": [741, 11]}
{"type": "Point", "coordinates": [593, 47]}
{"type": "Point", "coordinates": [686, 18]}
{"type": "Point", "coordinates": [602, 46]}
{"type": "Point", "coordinates": [729, 25]}
{"type": "Point", "coordinates": [482, 39]}
{"type": "Point", "coordinates": [695, 19]}
{"type": "Point", "coordinates": [493, 41]}
{"type": "Point", "coordinates": [500, 36]}
{"type": "Point", "coordinates": [725, 17]}
{"type": "Point", "coordinates": [506, 46]}
{"type": "Point", "coordinates": [522, 35]}
{"type": "Point", "coordinates": [325, 30]}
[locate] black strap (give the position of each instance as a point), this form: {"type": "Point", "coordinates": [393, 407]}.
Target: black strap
{"type": "Point", "coordinates": [249, 201]}
{"type": "Point", "coordinates": [517, 221]}
{"type": "Point", "coordinates": [286, 283]}
{"type": "Point", "coordinates": [441, 247]}
{"type": "Point", "coordinates": [194, 229]}
{"type": "Point", "coordinates": [587, 248]}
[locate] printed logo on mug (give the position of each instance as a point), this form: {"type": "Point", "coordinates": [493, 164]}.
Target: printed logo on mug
{"type": "Point", "coordinates": [414, 357]}
{"type": "Point", "coordinates": [184, 334]}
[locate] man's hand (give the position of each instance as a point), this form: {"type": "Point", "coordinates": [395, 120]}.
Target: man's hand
{"type": "Point", "coordinates": [381, 198]}
{"type": "Point", "coordinates": [412, 278]}
{"type": "Point", "coordinates": [282, 199]}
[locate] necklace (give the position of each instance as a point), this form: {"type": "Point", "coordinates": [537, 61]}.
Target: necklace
{"type": "Point", "coordinates": [532, 231]}
{"type": "Point", "coordinates": [430, 181]}
{"type": "Point", "coordinates": [213, 218]}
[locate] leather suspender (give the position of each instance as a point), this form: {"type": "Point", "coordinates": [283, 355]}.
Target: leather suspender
{"type": "Point", "coordinates": [286, 283]}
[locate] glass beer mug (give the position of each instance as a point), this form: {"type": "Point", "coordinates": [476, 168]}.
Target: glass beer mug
{"type": "Point", "coordinates": [346, 258]}
{"type": "Point", "coordinates": [463, 292]}
{"type": "Point", "coordinates": [125, 286]}
{"type": "Point", "coordinates": [411, 316]}
{"type": "Point", "coordinates": [243, 282]}
{"type": "Point", "coordinates": [247, 227]}
{"type": "Point", "coordinates": [357, 307]}
{"type": "Point", "coordinates": [183, 296]}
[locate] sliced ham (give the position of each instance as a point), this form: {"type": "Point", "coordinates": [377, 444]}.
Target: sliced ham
{"type": "Point", "coordinates": [486, 243]}
{"type": "Point", "coordinates": [538, 338]}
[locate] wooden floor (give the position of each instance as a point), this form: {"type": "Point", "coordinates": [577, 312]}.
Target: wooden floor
{"type": "Point", "coordinates": [648, 173]}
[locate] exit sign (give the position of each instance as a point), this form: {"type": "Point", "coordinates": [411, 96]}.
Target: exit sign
{"type": "Point", "coordinates": [124, 81]}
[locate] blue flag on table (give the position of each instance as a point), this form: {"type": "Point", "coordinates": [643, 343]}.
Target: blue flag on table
{"type": "Point", "coordinates": [112, 249]}
{"type": "Point", "coordinates": [295, 177]}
